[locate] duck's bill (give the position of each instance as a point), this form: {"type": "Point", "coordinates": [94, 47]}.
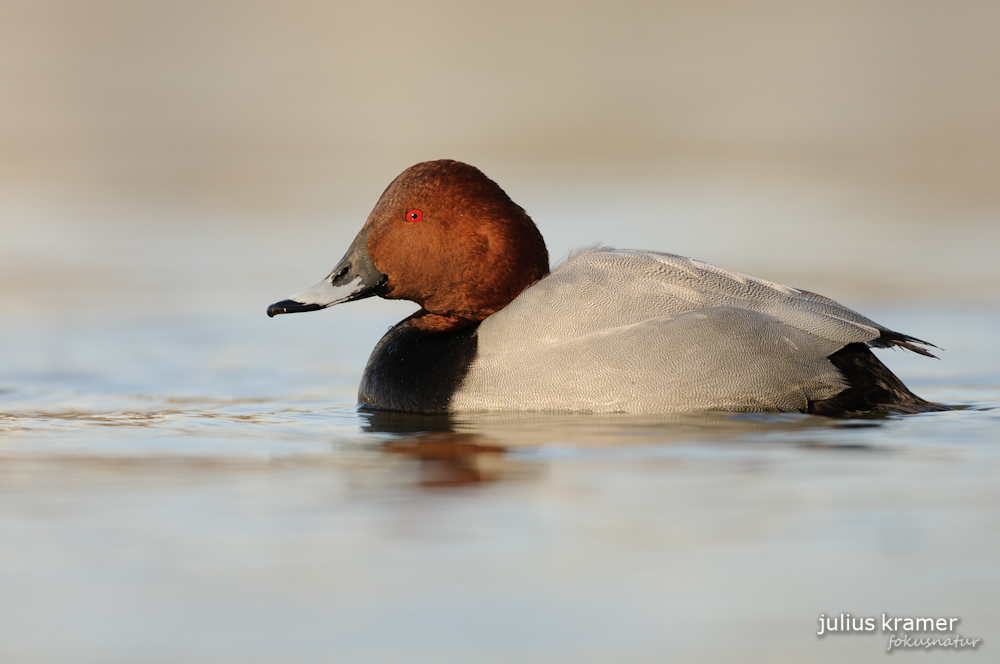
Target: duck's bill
{"type": "Point", "coordinates": [354, 278]}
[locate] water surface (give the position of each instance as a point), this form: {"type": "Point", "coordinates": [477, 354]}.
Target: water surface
{"type": "Point", "coordinates": [202, 488]}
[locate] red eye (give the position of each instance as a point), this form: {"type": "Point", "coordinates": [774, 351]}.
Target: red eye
{"type": "Point", "coordinates": [414, 215]}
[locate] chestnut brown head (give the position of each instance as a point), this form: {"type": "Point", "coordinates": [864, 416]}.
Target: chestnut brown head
{"type": "Point", "coordinates": [442, 235]}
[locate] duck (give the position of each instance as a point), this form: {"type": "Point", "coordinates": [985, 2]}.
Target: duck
{"type": "Point", "coordinates": [609, 330]}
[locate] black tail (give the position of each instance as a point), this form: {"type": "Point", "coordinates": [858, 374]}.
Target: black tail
{"type": "Point", "coordinates": [888, 339]}
{"type": "Point", "coordinates": [872, 385]}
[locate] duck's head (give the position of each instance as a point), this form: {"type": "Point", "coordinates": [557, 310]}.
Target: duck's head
{"type": "Point", "coordinates": [442, 235]}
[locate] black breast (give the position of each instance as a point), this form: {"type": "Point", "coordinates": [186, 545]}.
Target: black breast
{"type": "Point", "coordinates": [417, 371]}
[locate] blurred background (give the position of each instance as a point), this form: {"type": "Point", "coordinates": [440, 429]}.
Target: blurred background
{"type": "Point", "coordinates": [184, 479]}
{"type": "Point", "coordinates": [231, 149]}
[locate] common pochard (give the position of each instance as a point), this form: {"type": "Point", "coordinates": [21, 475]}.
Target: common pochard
{"type": "Point", "coordinates": [609, 330]}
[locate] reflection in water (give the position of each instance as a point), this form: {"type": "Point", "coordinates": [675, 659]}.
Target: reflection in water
{"type": "Point", "coordinates": [261, 418]}
{"type": "Point", "coordinates": [504, 430]}
{"type": "Point", "coordinates": [451, 459]}
{"type": "Point", "coordinates": [470, 448]}
{"type": "Point", "coordinates": [378, 421]}
{"type": "Point", "coordinates": [446, 451]}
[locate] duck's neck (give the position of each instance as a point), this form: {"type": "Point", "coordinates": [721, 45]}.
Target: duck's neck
{"type": "Point", "coordinates": [425, 321]}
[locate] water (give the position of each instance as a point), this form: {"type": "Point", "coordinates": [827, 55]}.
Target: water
{"type": "Point", "coordinates": [184, 479]}
{"type": "Point", "coordinates": [203, 489]}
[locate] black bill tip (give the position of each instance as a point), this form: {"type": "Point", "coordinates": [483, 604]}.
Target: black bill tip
{"type": "Point", "coordinates": [290, 307]}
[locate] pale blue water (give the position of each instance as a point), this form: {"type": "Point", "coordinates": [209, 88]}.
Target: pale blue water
{"type": "Point", "coordinates": [201, 488]}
